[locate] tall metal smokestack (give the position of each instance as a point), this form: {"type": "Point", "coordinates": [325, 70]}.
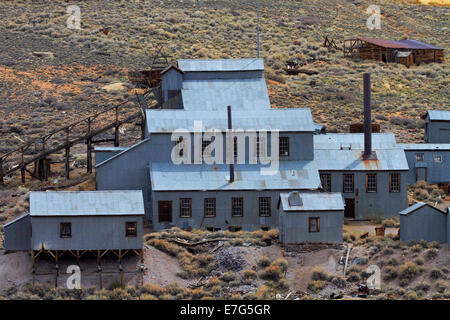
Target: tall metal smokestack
{"type": "Point", "coordinates": [232, 146]}
{"type": "Point", "coordinates": [257, 32]}
{"type": "Point", "coordinates": [368, 153]}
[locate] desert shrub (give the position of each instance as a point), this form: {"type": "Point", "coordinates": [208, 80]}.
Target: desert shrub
{"type": "Point", "coordinates": [392, 262]}
{"type": "Point", "coordinates": [435, 245]}
{"type": "Point", "coordinates": [422, 287]}
{"type": "Point", "coordinates": [416, 248]}
{"type": "Point", "coordinates": [228, 276]}
{"type": "Point", "coordinates": [281, 263]}
{"type": "Point", "coordinates": [263, 262]}
{"type": "Point", "coordinates": [411, 295]}
{"type": "Point", "coordinates": [249, 275]}
{"type": "Point", "coordinates": [339, 281]}
{"type": "Point", "coordinates": [441, 286]}
{"type": "Point", "coordinates": [198, 293]}
{"type": "Point", "coordinates": [272, 273]}
{"type": "Point", "coordinates": [408, 271]}
{"type": "Point", "coordinates": [147, 296]}
{"type": "Point", "coordinates": [387, 251]}
{"type": "Point", "coordinates": [263, 292]}
{"type": "Point", "coordinates": [419, 261]}
{"type": "Point", "coordinates": [316, 285]}
{"type": "Point", "coordinates": [319, 274]}
{"type": "Point", "coordinates": [167, 247]}
{"type": "Point", "coordinates": [152, 289]}
{"type": "Point", "coordinates": [389, 223]}
{"type": "Point", "coordinates": [436, 274]}
{"type": "Point", "coordinates": [390, 273]}
{"type": "Point", "coordinates": [430, 254]}
{"type": "Point", "coordinates": [353, 277]}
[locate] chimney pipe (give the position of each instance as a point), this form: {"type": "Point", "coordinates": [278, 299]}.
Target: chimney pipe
{"type": "Point", "coordinates": [368, 154]}
{"type": "Point", "coordinates": [232, 147]}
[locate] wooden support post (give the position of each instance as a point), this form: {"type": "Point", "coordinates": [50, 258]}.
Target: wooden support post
{"type": "Point", "coordinates": [22, 170]}
{"type": "Point", "coordinates": [89, 155]}
{"type": "Point", "coordinates": [116, 136]}
{"type": "Point", "coordinates": [99, 269]}
{"type": "Point", "coordinates": [57, 268]}
{"type": "Point", "coordinates": [67, 165]}
{"type": "Point", "coordinates": [78, 258]}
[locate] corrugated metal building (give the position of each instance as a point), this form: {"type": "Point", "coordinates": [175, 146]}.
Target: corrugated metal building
{"type": "Point", "coordinates": [422, 221]}
{"type": "Point", "coordinates": [371, 188]}
{"type": "Point", "coordinates": [79, 220]}
{"type": "Point", "coordinates": [310, 217]}
{"type": "Point", "coordinates": [202, 196]}
{"type": "Point", "coordinates": [437, 126]}
{"type": "Point", "coordinates": [428, 162]}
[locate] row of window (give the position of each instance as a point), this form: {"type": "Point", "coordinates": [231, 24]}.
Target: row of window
{"type": "Point", "coordinates": [237, 207]}
{"type": "Point", "coordinates": [313, 226]}
{"type": "Point", "coordinates": [65, 229]}
{"type": "Point", "coordinates": [420, 157]}
{"type": "Point", "coordinates": [348, 182]}
{"type": "Point", "coordinates": [260, 145]}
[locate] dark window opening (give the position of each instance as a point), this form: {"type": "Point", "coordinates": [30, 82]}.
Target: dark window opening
{"type": "Point", "coordinates": [212, 229]}
{"type": "Point", "coordinates": [65, 230]}
{"type": "Point", "coordinates": [185, 207]}
{"type": "Point", "coordinates": [210, 207]}
{"type": "Point", "coordinates": [237, 207]}
{"type": "Point", "coordinates": [394, 182]}
{"type": "Point", "coordinates": [264, 207]}
{"type": "Point", "coordinates": [234, 228]}
{"type": "Point", "coordinates": [131, 229]}
{"type": "Point", "coordinates": [165, 211]}
{"type": "Point", "coordinates": [284, 146]}
{"type": "Point", "coordinates": [371, 182]}
{"type": "Point", "coordinates": [325, 179]}
{"type": "Point", "coordinates": [314, 224]}
{"type": "Point", "coordinates": [349, 183]}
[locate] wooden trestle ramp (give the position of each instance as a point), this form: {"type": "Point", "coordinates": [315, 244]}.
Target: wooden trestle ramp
{"type": "Point", "coordinates": [37, 151]}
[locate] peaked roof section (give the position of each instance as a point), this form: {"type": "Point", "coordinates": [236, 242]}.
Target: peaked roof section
{"type": "Point", "coordinates": [86, 203]}
{"type": "Point", "coordinates": [203, 177]}
{"type": "Point", "coordinates": [439, 115]}
{"type": "Point", "coordinates": [211, 65]}
{"type": "Point", "coordinates": [338, 152]}
{"type": "Point", "coordinates": [286, 120]}
{"type": "Point", "coordinates": [400, 44]}
{"type": "Point", "coordinates": [417, 206]}
{"type": "Point", "coordinates": [320, 201]}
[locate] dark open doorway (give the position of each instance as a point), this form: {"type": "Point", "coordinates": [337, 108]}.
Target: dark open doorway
{"type": "Point", "coordinates": [165, 211]}
{"type": "Point", "coordinates": [349, 211]}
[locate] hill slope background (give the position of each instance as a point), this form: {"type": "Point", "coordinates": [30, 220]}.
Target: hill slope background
{"type": "Point", "coordinates": [38, 94]}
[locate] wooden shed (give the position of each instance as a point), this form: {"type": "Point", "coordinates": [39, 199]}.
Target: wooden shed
{"type": "Point", "coordinates": [406, 52]}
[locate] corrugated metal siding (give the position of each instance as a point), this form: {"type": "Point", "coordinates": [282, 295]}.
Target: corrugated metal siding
{"type": "Point", "coordinates": [190, 65]}
{"type": "Point", "coordinates": [61, 203]}
{"type": "Point", "coordinates": [425, 223]}
{"type": "Point", "coordinates": [17, 234]}
{"type": "Point", "coordinates": [88, 233]}
{"type": "Point", "coordinates": [437, 172]}
{"type": "Point", "coordinates": [294, 227]}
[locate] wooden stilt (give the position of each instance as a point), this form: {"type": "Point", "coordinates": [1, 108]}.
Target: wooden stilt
{"type": "Point", "coordinates": [89, 155]}
{"type": "Point", "coordinates": [116, 137]}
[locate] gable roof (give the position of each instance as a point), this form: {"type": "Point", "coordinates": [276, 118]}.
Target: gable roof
{"type": "Point", "coordinates": [202, 65]}
{"type": "Point", "coordinates": [285, 120]}
{"type": "Point", "coordinates": [439, 115]}
{"type": "Point", "coordinates": [86, 203]}
{"type": "Point", "coordinates": [418, 205]}
{"type": "Point", "coordinates": [313, 201]}
{"type": "Point", "coordinates": [203, 177]}
{"type": "Point", "coordinates": [166, 69]}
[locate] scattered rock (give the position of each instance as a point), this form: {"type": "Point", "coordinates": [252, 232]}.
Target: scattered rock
{"type": "Point", "coordinates": [229, 259]}
{"type": "Point", "coordinates": [115, 87]}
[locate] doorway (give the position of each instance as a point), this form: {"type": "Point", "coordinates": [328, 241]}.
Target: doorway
{"type": "Point", "coordinates": [349, 211]}
{"type": "Point", "coordinates": [421, 174]}
{"type": "Point", "coordinates": [165, 211]}
{"type": "Point", "coordinates": [383, 57]}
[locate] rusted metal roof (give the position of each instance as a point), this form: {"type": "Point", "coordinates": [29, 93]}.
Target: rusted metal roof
{"type": "Point", "coordinates": [400, 44]}
{"type": "Point", "coordinates": [292, 175]}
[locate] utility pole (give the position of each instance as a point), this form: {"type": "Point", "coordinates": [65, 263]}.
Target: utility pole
{"type": "Point", "coordinates": [257, 30]}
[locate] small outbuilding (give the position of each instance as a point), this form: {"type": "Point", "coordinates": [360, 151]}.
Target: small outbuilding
{"type": "Point", "coordinates": [422, 221]}
{"type": "Point", "coordinates": [437, 126]}
{"type": "Point", "coordinates": [310, 217]}
{"type": "Point", "coordinates": [79, 221]}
